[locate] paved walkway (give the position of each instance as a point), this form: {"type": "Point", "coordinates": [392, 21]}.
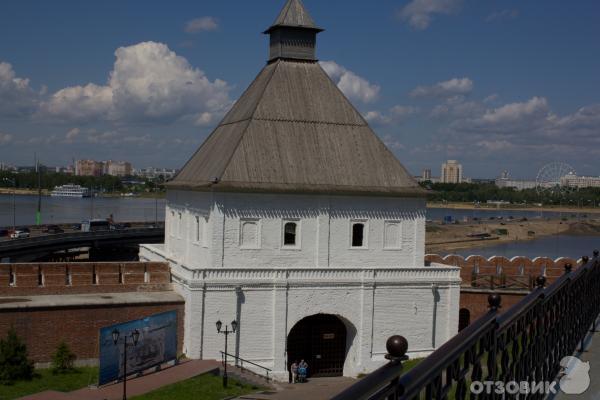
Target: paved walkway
{"type": "Point", "coordinates": [314, 389]}
{"type": "Point", "coordinates": [591, 355]}
{"type": "Point", "coordinates": [135, 386]}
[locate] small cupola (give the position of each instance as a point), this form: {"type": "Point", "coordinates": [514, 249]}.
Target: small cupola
{"type": "Point", "coordinates": [293, 34]}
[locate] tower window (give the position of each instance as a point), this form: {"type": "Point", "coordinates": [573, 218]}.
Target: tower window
{"type": "Point", "coordinates": [198, 230]}
{"type": "Point", "coordinates": [392, 235]}
{"type": "Point", "coordinates": [358, 234]}
{"type": "Point", "coordinates": [250, 234]}
{"type": "Point", "coordinates": [289, 234]}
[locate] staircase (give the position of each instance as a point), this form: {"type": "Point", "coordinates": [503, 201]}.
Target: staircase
{"type": "Point", "coordinates": [238, 372]}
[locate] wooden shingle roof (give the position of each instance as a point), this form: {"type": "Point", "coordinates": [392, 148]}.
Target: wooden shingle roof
{"type": "Point", "coordinates": [294, 15]}
{"type": "Point", "coordinates": [294, 131]}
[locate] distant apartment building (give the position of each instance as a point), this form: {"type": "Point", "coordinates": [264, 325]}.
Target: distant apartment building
{"type": "Point", "coordinates": [574, 181]}
{"type": "Point", "coordinates": [505, 181]}
{"type": "Point", "coordinates": [452, 172]}
{"type": "Point", "coordinates": [118, 168]}
{"type": "Point", "coordinates": [426, 175]}
{"type": "Point", "coordinates": [6, 167]}
{"type": "Point", "coordinates": [89, 168]}
{"type": "Point", "coordinates": [153, 173]}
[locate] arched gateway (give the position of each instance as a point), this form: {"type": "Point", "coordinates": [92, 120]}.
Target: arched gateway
{"type": "Point", "coordinates": [320, 340]}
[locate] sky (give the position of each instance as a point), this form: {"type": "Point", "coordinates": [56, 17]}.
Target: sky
{"type": "Point", "coordinates": [496, 84]}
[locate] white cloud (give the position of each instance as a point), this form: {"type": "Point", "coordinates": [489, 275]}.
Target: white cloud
{"type": "Point", "coordinates": [148, 82]}
{"type": "Point", "coordinates": [456, 107]}
{"type": "Point", "coordinates": [395, 115]}
{"type": "Point", "coordinates": [449, 88]}
{"type": "Point", "coordinates": [419, 13]}
{"type": "Point", "coordinates": [17, 98]}
{"type": "Point", "coordinates": [102, 137]}
{"type": "Point", "coordinates": [393, 143]}
{"type": "Point", "coordinates": [352, 85]}
{"type": "Point", "coordinates": [72, 135]}
{"type": "Point", "coordinates": [528, 131]}
{"type": "Point", "coordinates": [5, 138]}
{"type": "Point", "coordinates": [502, 15]}
{"type": "Point", "coordinates": [80, 103]}
{"type": "Point", "coordinates": [491, 98]}
{"type": "Point", "coordinates": [202, 24]}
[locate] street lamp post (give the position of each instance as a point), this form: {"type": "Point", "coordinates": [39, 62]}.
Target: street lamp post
{"type": "Point", "coordinates": [226, 332]}
{"type": "Point", "coordinates": [135, 335]}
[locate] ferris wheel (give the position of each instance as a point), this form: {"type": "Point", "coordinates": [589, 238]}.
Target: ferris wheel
{"type": "Point", "coordinates": [550, 175]}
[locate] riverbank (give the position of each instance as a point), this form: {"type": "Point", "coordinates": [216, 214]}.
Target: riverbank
{"type": "Point", "coordinates": [513, 207]}
{"type": "Point", "coordinates": [23, 192]}
{"type": "Point", "coordinates": [446, 239]}
{"type": "Point", "coordinates": [46, 192]}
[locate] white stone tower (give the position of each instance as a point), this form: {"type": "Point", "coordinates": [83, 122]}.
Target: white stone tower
{"type": "Point", "coordinates": [294, 219]}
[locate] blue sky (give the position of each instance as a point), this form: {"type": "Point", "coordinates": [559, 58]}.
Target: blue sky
{"type": "Point", "coordinates": [495, 84]}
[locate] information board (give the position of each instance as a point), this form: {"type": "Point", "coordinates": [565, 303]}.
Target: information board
{"type": "Point", "coordinates": [157, 344]}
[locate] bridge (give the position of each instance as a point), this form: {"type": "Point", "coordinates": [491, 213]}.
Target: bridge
{"type": "Point", "coordinates": [528, 351]}
{"type": "Point", "coordinates": [47, 244]}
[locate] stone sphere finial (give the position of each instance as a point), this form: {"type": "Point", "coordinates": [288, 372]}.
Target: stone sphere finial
{"type": "Point", "coordinates": [540, 281]}
{"type": "Point", "coordinates": [585, 259]}
{"type": "Point", "coordinates": [568, 268]}
{"type": "Point", "coordinates": [494, 301]}
{"type": "Point", "coordinates": [396, 346]}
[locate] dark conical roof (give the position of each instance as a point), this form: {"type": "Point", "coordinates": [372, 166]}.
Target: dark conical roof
{"type": "Point", "coordinates": [294, 131]}
{"type": "Point", "coordinates": [294, 15]}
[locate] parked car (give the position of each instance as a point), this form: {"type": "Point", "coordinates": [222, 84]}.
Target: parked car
{"type": "Point", "coordinates": [54, 229]}
{"type": "Point", "coordinates": [19, 235]}
{"type": "Point", "coordinates": [3, 232]}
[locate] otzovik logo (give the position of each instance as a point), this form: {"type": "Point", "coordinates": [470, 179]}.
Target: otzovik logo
{"type": "Point", "coordinates": [574, 379]}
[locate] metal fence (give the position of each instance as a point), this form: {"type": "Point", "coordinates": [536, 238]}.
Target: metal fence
{"type": "Point", "coordinates": [524, 344]}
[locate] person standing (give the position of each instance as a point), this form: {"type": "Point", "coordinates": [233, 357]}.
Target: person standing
{"type": "Point", "coordinates": [294, 369]}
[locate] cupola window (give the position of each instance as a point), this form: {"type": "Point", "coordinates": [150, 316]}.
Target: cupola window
{"type": "Point", "coordinates": [289, 234]}
{"type": "Point", "coordinates": [358, 239]}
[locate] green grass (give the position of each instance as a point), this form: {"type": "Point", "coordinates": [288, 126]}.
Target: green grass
{"type": "Point", "coordinates": [410, 364]}
{"type": "Point", "coordinates": [44, 380]}
{"type": "Point", "coordinates": [203, 387]}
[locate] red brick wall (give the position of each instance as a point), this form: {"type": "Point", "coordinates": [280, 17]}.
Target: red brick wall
{"type": "Point", "coordinates": [43, 329]}
{"type": "Point", "coordinates": [77, 278]}
{"type": "Point", "coordinates": [518, 268]}
{"type": "Point", "coordinates": [477, 301]}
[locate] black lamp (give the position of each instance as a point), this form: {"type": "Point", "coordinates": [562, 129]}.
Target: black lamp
{"type": "Point", "coordinates": [234, 325]}
{"type": "Point", "coordinates": [115, 335]}
{"type": "Point", "coordinates": [135, 335]}
{"type": "Point", "coordinates": [219, 325]}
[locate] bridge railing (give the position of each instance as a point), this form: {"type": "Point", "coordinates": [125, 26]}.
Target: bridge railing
{"type": "Point", "coordinates": [525, 344]}
{"type": "Point", "coordinates": [62, 237]}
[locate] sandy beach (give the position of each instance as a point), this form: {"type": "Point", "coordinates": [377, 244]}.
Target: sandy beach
{"type": "Point", "coordinates": [513, 207]}
{"type": "Point", "coordinates": [447, 238]}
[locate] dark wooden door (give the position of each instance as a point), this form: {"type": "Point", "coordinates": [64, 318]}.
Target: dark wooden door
{"type": "Point", "coordinates": [320, 340]}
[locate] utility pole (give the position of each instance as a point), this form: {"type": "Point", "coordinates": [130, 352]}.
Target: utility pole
{"type": "Point", "coordinates": [38, 215]}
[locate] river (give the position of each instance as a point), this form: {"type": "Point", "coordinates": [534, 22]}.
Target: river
{"type": "Point", "coordinates": [72, 210]}
{"type": "Point", "coordinates": [69, 210]}
{"type": "Point", "coordinates": [573, 246]}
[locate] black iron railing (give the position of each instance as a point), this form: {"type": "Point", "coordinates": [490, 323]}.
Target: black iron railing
{"type": "Point", "coordinates": [524, 344]}
{"type": "Point", "coordinates": [239, 362]}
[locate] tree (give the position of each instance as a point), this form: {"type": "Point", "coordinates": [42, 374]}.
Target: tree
{"type": "Point", "coordinates": [14, 362]}
{"type": "Point", "coordinates": [63, 359]}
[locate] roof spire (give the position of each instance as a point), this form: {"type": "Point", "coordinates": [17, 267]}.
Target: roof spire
{"type": "Point", "coordinates": [293, 34]}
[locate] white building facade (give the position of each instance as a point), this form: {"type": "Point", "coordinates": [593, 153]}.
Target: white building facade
{"type": "Point", "coordinates": [295, 221]}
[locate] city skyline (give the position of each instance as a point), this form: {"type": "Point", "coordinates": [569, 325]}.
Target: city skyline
{"type": "Point", "coordinates": [482, 83]}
